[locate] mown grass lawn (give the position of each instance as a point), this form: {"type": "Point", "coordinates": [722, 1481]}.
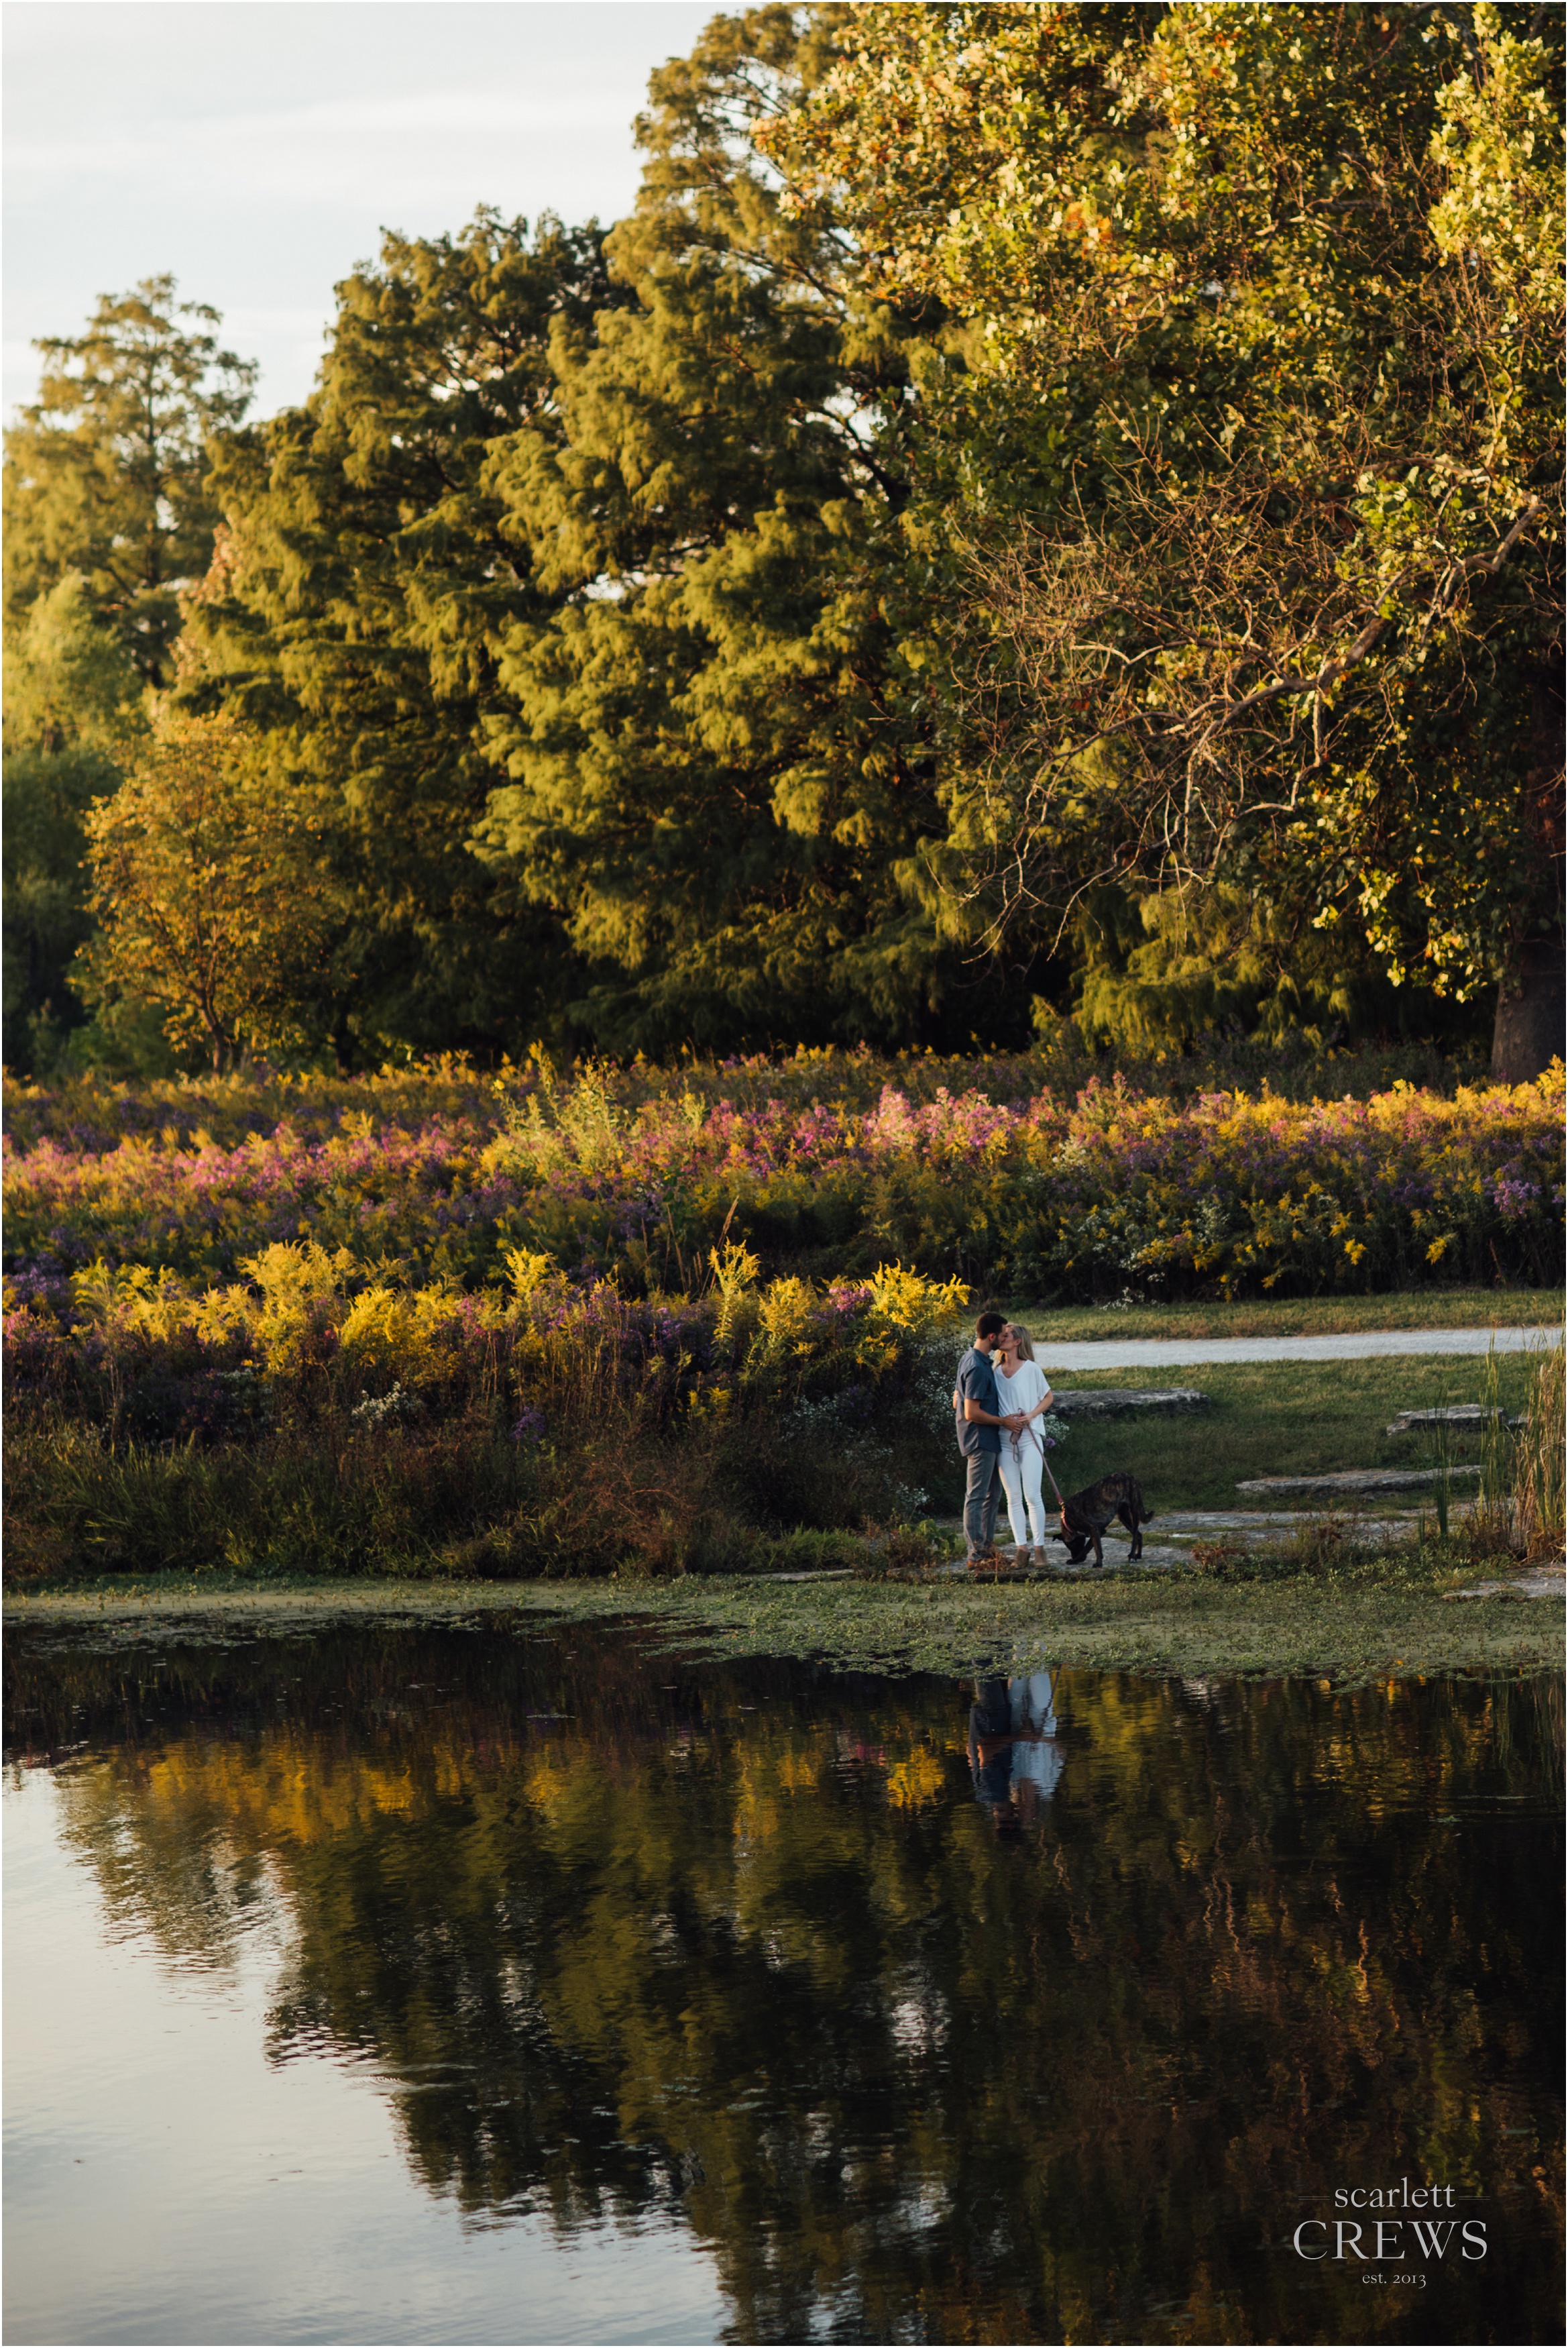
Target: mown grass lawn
{"type": "Point", "coordinates": [1267, 1418]}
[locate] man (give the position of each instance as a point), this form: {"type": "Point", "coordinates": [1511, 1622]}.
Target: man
{"type": "Point", "coordinates": [979, 1426]}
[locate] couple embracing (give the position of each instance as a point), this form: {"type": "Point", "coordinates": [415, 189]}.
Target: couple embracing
{"type": "Point", "coordinates": [1001, 1394]}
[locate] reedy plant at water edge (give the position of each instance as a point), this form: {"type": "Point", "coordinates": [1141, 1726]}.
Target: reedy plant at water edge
{"type": "Point", "coordinates": [1539, 1486]}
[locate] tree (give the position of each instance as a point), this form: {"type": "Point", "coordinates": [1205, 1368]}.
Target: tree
{"type": "Point", "coordinates": [207, 887]}
{"type": "Point", "coordinates": [73, 716]}
{"type": "Point", "coordinates": [724, 754]}
{"type": "Point", "coordinates": [1273, 294]}
{"type": "Point", "coordinates": [365, 572]}
{"type": "Point", "coordinates": [106, 473]}
{"type": "Point", "coordinates": [581, 590]}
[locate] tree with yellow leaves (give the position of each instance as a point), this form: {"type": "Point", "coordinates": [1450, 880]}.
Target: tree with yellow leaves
{"type": "Point", "coordinates": [1249, 428]}
{"type": "Point", "coordinates": [207, 882]}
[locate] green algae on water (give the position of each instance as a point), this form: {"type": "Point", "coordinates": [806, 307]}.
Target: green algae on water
{"type": "Point", "coordinates": [1343, 1628]}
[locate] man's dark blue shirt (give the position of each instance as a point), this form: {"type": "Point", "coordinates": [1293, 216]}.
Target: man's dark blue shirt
{"type": "Point", "coordinates": [978, 1383]}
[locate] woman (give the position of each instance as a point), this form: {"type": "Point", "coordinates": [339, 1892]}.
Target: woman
{"type": "Point", "coordinates": [1022, 1387]}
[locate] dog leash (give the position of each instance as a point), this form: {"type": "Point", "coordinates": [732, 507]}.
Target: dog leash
{"type": "Point", "coordinates": [1045, 1463]}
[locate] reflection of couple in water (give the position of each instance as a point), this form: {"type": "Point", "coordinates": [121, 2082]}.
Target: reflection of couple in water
{"type": "Point", "coordinates": [1015, 1747]}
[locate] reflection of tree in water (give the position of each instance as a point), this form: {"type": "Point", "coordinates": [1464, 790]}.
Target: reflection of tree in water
{"type": "Point", "coordinates": [911, 2079]}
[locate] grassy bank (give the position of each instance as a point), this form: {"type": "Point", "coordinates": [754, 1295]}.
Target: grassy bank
{"type": "Point", "coordinates": [1386, 1619]}
{"type": "Point", "coordinates": [719, 1473]}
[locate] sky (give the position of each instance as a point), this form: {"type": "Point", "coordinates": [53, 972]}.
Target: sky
{"type": "Point", "coordinates": [256, 148]}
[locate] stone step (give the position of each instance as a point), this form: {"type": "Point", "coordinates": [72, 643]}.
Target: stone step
{"type": "Point", "coordinates": [1353, 1483]}
{"type": "Point", "coordinates": [1457, 1414]}
{"type": "Point", "coordinates": [1107, 1401]}
{"type": "Point", "coordinates": [1540, 1582]}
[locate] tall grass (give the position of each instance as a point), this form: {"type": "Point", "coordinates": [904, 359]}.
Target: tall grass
{"type": "Point", "coordinates": [1539, 1473]}
{"type": "Point", "coordinates": [1441, 1454]}
{"type": "Point", "coordinates": [462, 1501]}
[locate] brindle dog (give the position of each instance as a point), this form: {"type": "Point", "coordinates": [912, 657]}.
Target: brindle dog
{"type": "Point", "coordinates": [1087, 1514]}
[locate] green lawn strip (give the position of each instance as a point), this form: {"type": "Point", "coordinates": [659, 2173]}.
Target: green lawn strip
{"type": "Point", "coordinates": [1300, 1316]}
{"type": "Point", "coordinates": [1343, 1628]}
{"type": "Point", "coordinates": [1275, 1418]}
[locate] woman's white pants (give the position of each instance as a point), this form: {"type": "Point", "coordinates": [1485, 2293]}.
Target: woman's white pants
{"type": "Point", "coordinates": [1020, 1480]}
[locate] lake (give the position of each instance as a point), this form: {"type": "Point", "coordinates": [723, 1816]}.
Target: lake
{"type": "Point", "coordinates": [508, 1983]}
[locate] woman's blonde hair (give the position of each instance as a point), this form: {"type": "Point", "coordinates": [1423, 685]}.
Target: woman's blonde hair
{"type": "Point", "coordinates": [1025, 1341]}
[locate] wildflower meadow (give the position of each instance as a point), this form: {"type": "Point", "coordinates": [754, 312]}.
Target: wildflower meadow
{"type": "Point", "coordinates": [1062, 1197]}
{"type": "Point", "coordinates": [413, 1319]}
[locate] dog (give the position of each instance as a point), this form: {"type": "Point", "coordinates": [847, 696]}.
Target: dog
{"type": "Point", "coordinates": [1087, 1514]}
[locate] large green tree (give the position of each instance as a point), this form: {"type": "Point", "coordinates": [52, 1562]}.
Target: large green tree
{"type": "Point", "coordinates": [1269, 299]}
{"type": "Point", "coordinates": [723, 751]}
{"type": "Point", "coordinates": [108, 516]}
{"type": "Point", "coordinates": [365, 574]}
{"type": "Point", "coordinates": [581, 581]}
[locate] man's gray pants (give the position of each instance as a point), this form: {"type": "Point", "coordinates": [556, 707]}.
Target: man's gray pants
{"type": "Point", "coordinates": [982, 1491]}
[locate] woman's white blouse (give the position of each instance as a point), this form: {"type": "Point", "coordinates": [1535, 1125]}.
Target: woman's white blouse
{"type": "Point", "coordinates": [1028, 1386]}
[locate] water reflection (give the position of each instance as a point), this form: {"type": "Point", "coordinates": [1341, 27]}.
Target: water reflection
{"type": "Point", "coordinates": [1015, 1749]}
{"type": "Point", "coordinates": [1036, 2008]}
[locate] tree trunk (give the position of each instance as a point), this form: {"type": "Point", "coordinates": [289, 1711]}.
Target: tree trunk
{"type": "Point", "coordinates": [1528, 1034]}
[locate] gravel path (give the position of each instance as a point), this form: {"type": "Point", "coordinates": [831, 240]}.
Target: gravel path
{"type": "Point", "coordinates": [1175, 1352]}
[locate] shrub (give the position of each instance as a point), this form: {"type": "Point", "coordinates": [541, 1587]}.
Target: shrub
{"type": "Point", "coordinates": [311, 1418]}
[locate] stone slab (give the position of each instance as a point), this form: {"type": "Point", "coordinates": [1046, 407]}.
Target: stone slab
{"type": "Point", "coordinates": [1108, 1402]}
{"type": "Point", "coordinates": [1545, 1581]}
{"type": "Point", "coordinates": [1244, 1534]}
{"type": "Point", "coordinates": [1457, 1414]}
{"type": "Point", "coordinates": [1354, 1484]}
{"type": "Point", "coordinates": [1265, 1524]}
{"type": "Point", "coordinates": [818, 1573]}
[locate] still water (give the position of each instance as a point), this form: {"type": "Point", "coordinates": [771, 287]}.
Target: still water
{"type": "Point", "coordinates": [489, 1983]}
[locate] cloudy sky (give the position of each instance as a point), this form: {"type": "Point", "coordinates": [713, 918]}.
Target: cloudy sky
{"type": "Point", "coordinates": [257, 147]}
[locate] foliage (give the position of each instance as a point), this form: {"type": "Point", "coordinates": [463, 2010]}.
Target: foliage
{"type": "Point", "coordinates": [396, 1428]}
{"type": "Point", "coordinates": [205, 882]}
{"type": "Point", "coordinates": [69, 683]}
{"type": "Point", "coordinates": [106, 473]}
{"type": "Point", "coordinates": [367, 570]}
{"type": "Point", "coordinates": [46, 803]}
{"type": "Point", "coordinates": [72, 717]}
{"type": "Point", "coordinates": [579, 583]}
{"type": "Point", "coordinates": [1031, 500]}
{"type": "Point", "coordinates": [723, 759]}
{"type": "Point", "coordinates": [638, 1177]}
{"type": "Point", "coordinates": [1251, 402]}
